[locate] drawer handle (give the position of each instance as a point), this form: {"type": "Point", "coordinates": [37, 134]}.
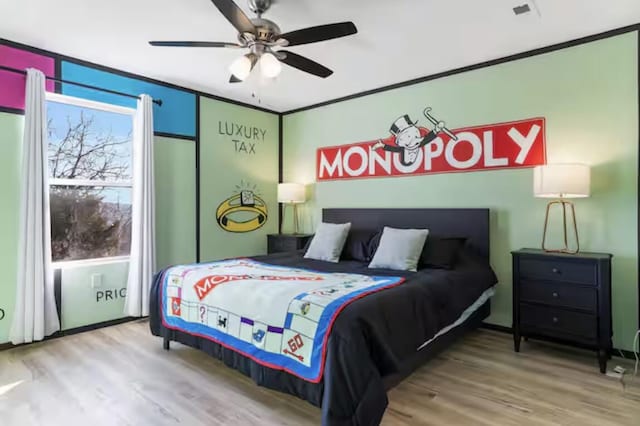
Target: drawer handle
{"type": "Point", "coordinates": [555, 320]}
{"type": "Point", "coordinates": [555, 270]}
{"type": "Point", "coordinates": [555, 294]}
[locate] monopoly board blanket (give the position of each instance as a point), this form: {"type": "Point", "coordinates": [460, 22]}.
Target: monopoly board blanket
{"type": "Point", "coordinates": [278, 316]}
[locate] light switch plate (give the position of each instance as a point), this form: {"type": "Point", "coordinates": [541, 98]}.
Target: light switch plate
{"type": "Point", "coordinates": [96, 280]}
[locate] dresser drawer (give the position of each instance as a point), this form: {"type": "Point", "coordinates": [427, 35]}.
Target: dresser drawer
{"type": "Point", "coordinates": [559, 322]}
{"type": "Point", "coordinates": [559, 294]}
{"type": "Point", "coordinates": [556, 269]}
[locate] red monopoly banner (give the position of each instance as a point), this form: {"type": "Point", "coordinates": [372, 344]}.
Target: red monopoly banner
{"type": "Point", "coordinates": [417, 150]}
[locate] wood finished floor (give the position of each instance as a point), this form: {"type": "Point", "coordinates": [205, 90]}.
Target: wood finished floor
{"type": "Point", "coordinates": [121, 376]}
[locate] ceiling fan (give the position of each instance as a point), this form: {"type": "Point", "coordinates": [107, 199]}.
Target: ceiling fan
{"type": "Point", "coordinates": [261, 36]}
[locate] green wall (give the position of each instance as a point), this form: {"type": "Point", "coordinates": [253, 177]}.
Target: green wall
{"type": "Point", "coordinates": [225, 168]}
{"type": "Point", "coordinates": [10, 140]}
{"type": "Point", "coordinates": [175, 165]}
{"type": "Point", "coordinates": [83, 304]}
{"type": "Point", "coordinates": [589, 96]}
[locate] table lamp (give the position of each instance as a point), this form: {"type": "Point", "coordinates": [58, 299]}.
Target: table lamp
{"type": "Point", "coordinates": [562, 181]}
{"type": "Point", "coordinates": [291, 193]}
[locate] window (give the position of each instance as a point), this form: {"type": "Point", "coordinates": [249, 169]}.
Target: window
{"type": "Point", "coordinates": [90, 178]}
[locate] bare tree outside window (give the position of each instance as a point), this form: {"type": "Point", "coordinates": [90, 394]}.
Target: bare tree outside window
{"type": "Point", "coordinates": [90, 172]}
{"type": "Point", "coordinates": [87, 151]}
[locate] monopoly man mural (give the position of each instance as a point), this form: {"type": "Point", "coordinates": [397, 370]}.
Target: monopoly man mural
{"type": "Point", "coordinates": [414, 149]}
{"type": "Point", "coordinates": [408, 138]}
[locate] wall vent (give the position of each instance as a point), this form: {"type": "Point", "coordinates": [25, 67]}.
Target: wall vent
{"type": "Point", "coordinates": [519, 10]}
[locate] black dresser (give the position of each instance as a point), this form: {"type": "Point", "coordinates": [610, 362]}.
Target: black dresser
{"type": "Point", "coordinates": [563, 297]}
{"type": "Point", "coordinates": [277, 243]}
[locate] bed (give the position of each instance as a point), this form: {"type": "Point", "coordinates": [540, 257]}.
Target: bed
{"type": "Point", "coordinates": [378, 338]}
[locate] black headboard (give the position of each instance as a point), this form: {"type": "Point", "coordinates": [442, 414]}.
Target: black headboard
{"type": "Point", "coordinates": [470, 223]}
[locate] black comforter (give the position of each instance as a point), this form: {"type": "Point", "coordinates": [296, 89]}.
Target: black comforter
{"type": "Point", "coordinates": [372, 338]}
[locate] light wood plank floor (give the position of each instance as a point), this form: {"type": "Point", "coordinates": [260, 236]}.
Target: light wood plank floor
{"type": "Point", "coordinates": [121, 376]}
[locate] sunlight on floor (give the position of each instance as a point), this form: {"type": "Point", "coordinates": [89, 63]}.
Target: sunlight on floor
{"type": "Point", "coordinates": [7, 388]}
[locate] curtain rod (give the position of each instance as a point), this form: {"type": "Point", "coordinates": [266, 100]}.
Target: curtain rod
{"type": "Point", "coordinates": [86, 86]}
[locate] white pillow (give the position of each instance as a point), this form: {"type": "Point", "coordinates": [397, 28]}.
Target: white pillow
{"type": "Point", "coordinates": [328, 242]}
{"type": "Point", "coordinates": [399, 249]}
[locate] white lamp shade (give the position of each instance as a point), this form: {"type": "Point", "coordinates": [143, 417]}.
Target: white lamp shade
{"type": "Point", "coordinates": [269, 65]}
{"type": "Point", "coordinates": [562, 181]}
{"type": "Point", "coordinates": [241, 67]}
{"type": "Point", "coordinates": [291, 193]}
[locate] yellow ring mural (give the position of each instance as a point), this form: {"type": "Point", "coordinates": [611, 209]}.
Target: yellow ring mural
{"type": "Point", "coordinates": [244, 202]}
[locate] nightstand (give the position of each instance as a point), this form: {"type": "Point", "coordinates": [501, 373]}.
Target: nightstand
{"type": "Point", "coordinates": [563, 297]}
{"type": "Point", "coordinates": [277, 243]}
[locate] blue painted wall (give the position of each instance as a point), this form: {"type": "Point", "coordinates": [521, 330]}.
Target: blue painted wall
{"type": "Point", "coordinates": [176, 116]}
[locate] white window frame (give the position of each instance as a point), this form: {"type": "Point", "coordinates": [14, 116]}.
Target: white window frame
{"type": "Point", "coordinates": [86, 103]}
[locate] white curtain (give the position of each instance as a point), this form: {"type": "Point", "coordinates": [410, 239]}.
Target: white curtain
{"type": "Point", "coordinates": [35, 311]}
{"type": "Point", "coordinates": [143, 249]}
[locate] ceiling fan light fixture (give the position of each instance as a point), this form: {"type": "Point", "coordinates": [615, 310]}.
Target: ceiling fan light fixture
{"type": "Point", "coordinates": [241, 67]}
{"type": "Point", "coordinates": [269, 65]}
{"type": "Point", "coordinates": [260, 36]}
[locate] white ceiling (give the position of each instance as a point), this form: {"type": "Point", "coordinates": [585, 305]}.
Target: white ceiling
{"type": "Point", "coordinates": [397, 40]}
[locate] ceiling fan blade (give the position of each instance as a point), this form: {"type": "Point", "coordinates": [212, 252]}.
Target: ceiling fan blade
{"type": "Point", "coordinates": [304, 64]}
{"type": "Point", "coordinates": [235, 15]}
{"type": "Point", "coordinates": [254, 59]}
{"type": "Point", "coordinates": [319, 33]}
{"type": "Point", "coordinates": [193, 44]}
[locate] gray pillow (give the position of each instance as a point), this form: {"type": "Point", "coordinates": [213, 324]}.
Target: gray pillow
{"type": "Point", "coordinates": [399, 249]}
{"type": "Point", "coordinates": [328, 242]}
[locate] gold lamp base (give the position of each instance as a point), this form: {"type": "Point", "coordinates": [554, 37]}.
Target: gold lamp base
{"type": "Point", "coordinates": [296, 226]}
{"type": "Point", "coordinates": [564, 205]}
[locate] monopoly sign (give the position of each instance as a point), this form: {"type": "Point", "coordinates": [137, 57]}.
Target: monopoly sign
{"type": "Point", "coordinates": [418, 150]}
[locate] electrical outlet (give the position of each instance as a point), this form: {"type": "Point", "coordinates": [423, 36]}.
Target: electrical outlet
{"type": "Point", "coordinates": [619, 370]}
{"type": "Point", "coordinates": [96, 280]}
{"type": "Point", "coordinates": [614, 375]}
{"type": "Point", "coordinates": [618, 373]}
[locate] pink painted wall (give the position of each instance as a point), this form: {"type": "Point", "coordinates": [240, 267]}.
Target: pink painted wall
{"type": "Point", "coordinates": [12, 84]}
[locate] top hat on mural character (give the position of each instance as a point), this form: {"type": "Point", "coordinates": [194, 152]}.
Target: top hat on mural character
{"type": "Point", "coordinates": [401, 124]}
{"type": "Point", "coordinates": [407, 134]}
